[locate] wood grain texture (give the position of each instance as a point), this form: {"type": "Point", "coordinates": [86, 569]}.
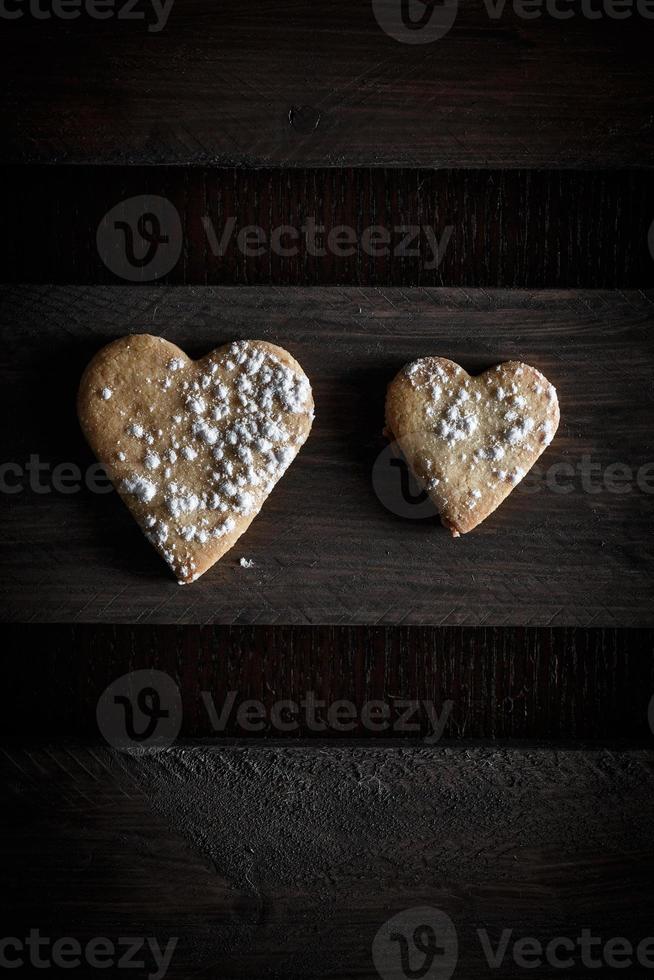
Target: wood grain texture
{"type": "Point", "coordinates": [83, 855]}
{"type": "Point", "coordinates": [300, 83]}
{"type": "Point", "coordinates": [325, 547]}
{"type": "Point", "coordinates": [510, 228]}
{"type": "Point", "coordinates": [272, 861]}
{"type": "Point", "coordinates": [536, 683]}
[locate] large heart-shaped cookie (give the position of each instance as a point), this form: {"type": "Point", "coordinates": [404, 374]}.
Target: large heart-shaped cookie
{"type": "Point", "coordinates": [470, 440]}
{"type": "Point", "coordinates": [194, 447]}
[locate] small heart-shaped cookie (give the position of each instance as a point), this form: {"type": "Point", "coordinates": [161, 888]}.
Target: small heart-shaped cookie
{"type": "Point", "coordinates": [470, 440]}
{"type": "Point", "coordinates": [194, 447]}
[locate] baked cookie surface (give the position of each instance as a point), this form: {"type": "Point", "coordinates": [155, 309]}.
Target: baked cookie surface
{"type": "Point", "coordinates": [470, 440]}
{"type": "Point", "coordinates": [194, 447]}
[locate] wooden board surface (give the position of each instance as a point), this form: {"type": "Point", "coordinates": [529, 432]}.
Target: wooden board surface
{"type": "Point", "coordinates": [272, 861]}
{"type": "Point", "coordinates": [326, 549]}
{"type": "Point", "coordinates": [299, 82]}
{"type": "Point", "coordinates": [495, 228]}
{"type": "Point", "coordinates": [551, 684]}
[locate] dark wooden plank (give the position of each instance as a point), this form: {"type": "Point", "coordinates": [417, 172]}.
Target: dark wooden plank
{"type": "Point", "coordinates": [327, 548]}
{"type": "Point", "coordinates": [320, 847]}
{"type": "Point", "coordinates": [300, 83]}
{"type": "Point", "coordinates": [489, 228]}
{"type": "Point", "coordinates": [84, 855]}
{"type": "Point", "coordinates": [453, 682]}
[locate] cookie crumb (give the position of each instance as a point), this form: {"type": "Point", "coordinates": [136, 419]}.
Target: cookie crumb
{"type": "Point", "coordinates": [246, 563]}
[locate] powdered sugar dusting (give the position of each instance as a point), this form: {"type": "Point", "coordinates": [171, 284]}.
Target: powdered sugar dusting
{"type": "Point", "coordinates": [518, 433]}
{"type": "Point", "coordinates": [140, 487]}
